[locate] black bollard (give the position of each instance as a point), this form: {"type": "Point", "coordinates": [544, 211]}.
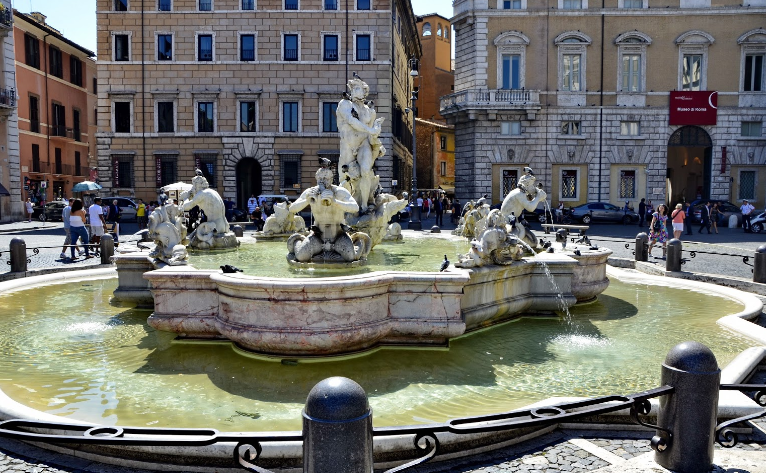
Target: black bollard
{"type": "Point", "coordinates": [673, 261]}
{"type": "Point", "coordinates": [337, 428]}
{"type": "Point", "coordinates": [106, 247]}
{"type": "Point", "coordinates": [642, 247]}
{"type": "Point", "coordinates": [436, 229]}
{"type": "Point", "coordinates": [759, 267]}
{"type": "Point", "coordinates": [238, 231]}
{"type": "Point", "coordinates": [690, 413]}
{"type": "Point", "coordinates": [18, 249]}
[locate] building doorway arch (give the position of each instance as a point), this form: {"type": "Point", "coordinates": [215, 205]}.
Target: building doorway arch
{"type": "Point", "coordinates": [690, 165]}
{"type": "Point", "coordinates": [249, 180]}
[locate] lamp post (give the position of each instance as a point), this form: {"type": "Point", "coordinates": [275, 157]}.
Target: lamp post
{"type": "Point", "coordinates": [414, 223]}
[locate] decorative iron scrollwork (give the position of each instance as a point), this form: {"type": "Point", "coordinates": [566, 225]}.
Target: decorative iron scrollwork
{"type": "Point", "coordinates": [425, 442]}
{"type": "Point", "coordinates": [247, 453]}
{"type": "Point", "coordinates": [662, 440]}
{"type": "Point", "coordinates": [724, 434]}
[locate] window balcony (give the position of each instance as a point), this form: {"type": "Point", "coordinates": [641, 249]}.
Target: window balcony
{"type": "Point", "coordinates": [247, 55]}
{"type": "Point", "coordinates": [330, 55]}
{"type": "Point", "coordinates": [6, 21]}
{"type": "Point", "coordinates": [248, 4]}
{"type": "Point", "coordinates": [205, 54]}
{"type": "Point", "coordinates": [489, 100]}
{"type": "Point", "coordinates": [164, 5]}
{"type": "Point", "coordinates": [291, 54]}
{"type": "Point", "coordinates": [205, 5]}
{"type": "Point", "coordinates": [330, 4]}
{"type": "Point", "coordinates": [58, 131]}
{"type": "Point", "coordinates": [7, 99]}
{"type": "Point", "coordinates": [362, 54]}
{"type": "Point", "coordinates": [291, 4]}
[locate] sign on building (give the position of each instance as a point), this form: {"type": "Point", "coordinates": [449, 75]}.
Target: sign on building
{"type": "Point", "coordinates": [693, 107]}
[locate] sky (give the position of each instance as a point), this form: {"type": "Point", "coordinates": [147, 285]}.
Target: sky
{"type": "Point", "coordinates": [76, 19]}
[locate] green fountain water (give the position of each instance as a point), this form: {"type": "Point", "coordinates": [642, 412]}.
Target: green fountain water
{"type": "Point", "coordinates": [67, 351]}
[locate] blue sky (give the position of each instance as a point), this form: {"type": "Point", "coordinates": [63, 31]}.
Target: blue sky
{"type": "Point", "coordinates": [76, 19]}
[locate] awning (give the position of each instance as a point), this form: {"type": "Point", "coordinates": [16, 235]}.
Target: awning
{"type": "Point", "coordinates": [4, 191]}
{"type": "Point", "coordinates": [448, 189]}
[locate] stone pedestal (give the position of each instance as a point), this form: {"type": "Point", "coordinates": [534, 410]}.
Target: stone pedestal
{"type": "Point", "coordinates": [132, 287]}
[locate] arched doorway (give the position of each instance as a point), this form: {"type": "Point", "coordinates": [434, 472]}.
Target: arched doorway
{"type": "Point", "coordinates": [248, 181]}
{"type": "Point", "coordinates": [690, 164]}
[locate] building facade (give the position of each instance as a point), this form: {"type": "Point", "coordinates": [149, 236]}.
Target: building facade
{"type": "Point", "coordinates": [56, 86]}
{"type": "Point", "coordinates": [10, 180]}
{"type": "Point", "coordinates": [436, 155]}
{"type": "Point", "coordinates": [656, 99]}
{"type": "Point", "coordinates": [245, 90]}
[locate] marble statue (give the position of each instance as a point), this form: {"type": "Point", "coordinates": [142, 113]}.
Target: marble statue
{"type": "Point", "coordinates": [167, 229]}
{"type": "Point", "coordinates": [375, 222]}
{"type": "Point", "coordinates": [214, 232]}
{"type": "Point", "coordinates": [495, 245]}
{"type": "Point", "coordinates": [527, 196]}
{"type": "Point", "coordinates": [283, 222]}
{"type": "Point", "coordinates": [328, 241]}
{"type": "Point", "coordinates": [360, 144]}
{"type": "Point", "coordinates": [473, 221]}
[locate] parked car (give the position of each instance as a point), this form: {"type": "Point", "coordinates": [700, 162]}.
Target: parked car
{"type": "Point", "coordinates": [128, 207]}
{"type": "Point", "coordinates": [53, 210]}
{"type": "Point", "coordinates": [602, 212]}
{"type": "Point", "coordinates": [758, 222]}
{"type": "Point", "coordinates": [239, 215]}
{"type": "Point", "coordinates": [725, 207]}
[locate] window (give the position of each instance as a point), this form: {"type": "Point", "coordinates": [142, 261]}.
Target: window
{"type": "Point", "coordinates": [290, 117]}
{"type": "Point", "coordinates": [627, 184]}
{"type": "Point", "coordinates": [291, 4]}
{"type": "Point", "coordinates": [362, 4]}
{"type": "Point", "coordinates": [205, 47]}
{"type": "Point", "coordinates": [439, 30]}
{"type": "Point", "coordinates": [290, 170]}
{"type": "Point", "coordinates": [120, 5]}
{"type": "Point", "coordinates": [291, 47]}
{"type": "Point", "coordinates": [56, 65]}
{"type": "Point", "coordinates": [75, 71]}
{"type": "Point", "coordinates": [35, 158]}
{"type": "Point", "coordinates": [165, 120]}
{"type": "Point", "coordinates": [446, 31]}
{"type": "Point", "coordinates": [631, 73]}
{"type": "Point", "coordinates": [571, 5]}
{"type": "Point", "coordinates": [632, 3]}
{"type": "Point", "coordinates": [121, 47]}
{"type": "Point", "coordinates": [570, 74]}
{"type": "Point", "coordinates": [59, 120]}
{"type": "Point", "coordinates": [247, 47]}
{"type": "Point", "coordinates": [329, 120]}
{"type": "Point", "coordinates": [511, 71]}
{"type": "Point", "coordinates": [629, 128]}
{"type": "Point", "coordinates": [753, 74]}
{"type": "Point", "coordinates": [32, 51]}
{"type": "Point", "coordinates": [510, 128]}
{"type": "Point", "coordinates": [330, 48]}
{"type": "Point", "coordinates": [122, 172]}
{"type": "Point", "coordinates": [443, 142]}
{"type": "Point", "coordinates": [205, 5]}
{"type": "Point", "coordinates": [168, 171]}
{"type": "Point", "coordinates": [76, 124]}
{"type": "Point", "coordinates": [426, 29]}
{"type": "Point", "coordinates": [248, 4]}
{"type": "Point", "coordinates": [164, 5]}
{"type": "Point", "coordinates": [205, 162]}
{"type": "Point", "coordinates": [34, 114]}
{"type": "Point", "coordinates": [569, 184]}
{"type": "Point", "coordinates": [165, 47]}
{"type": "Point", "coordinates": [58, 165]}
{"type": "Point", "coordinates": [363, 52]}
{"type": "Point", "coordinates": [510, 180]}
{"type": "Point", "coordinates": [570, 128]}
{"type": "Point", "coordinates": [122, 118]}
{"type": "Point", "coordinates": [205, 117]}
{"type": "Point", "coordinates": [95, 87]}
{"type": "Point", "coordinates": [512, 5]}
{"type": "Point", "coordinates": [442, 168]}
{"type": "Point", "coordinates": [691, 77]}
{"type": "Point", "coordinates": [751, 128]}
{"type": "Point", "coordinates": [330, 4]}
{"type": "Point", "coordinates": [77, 164]}
{"type": "Point", "coordinates": [747, 185]}
{"type": "Point", "coordinates": [247, 117]}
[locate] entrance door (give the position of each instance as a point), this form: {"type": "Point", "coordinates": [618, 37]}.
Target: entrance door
{"type": "Point", "coordinates": [690, 164]}
{"type": "Point", "coordinates": [248, 181]}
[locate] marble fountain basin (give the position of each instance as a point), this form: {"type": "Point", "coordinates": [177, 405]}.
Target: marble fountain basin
{"type": "Point", "coordinates": [339, 315]}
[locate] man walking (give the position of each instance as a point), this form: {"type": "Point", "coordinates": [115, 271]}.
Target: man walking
{"type": "Point", "coordinates": [688, 218]}
{"type": "Point", "coordinates": [439, 210]}
{"type": "Point", "coordinates": [705, 214]}
{"type": "Point", "coordinates": [97, 222]}
{"type": "Point", "coordinates": [747, 210]}
{"type": "Point", "coordinates": [641, 212]}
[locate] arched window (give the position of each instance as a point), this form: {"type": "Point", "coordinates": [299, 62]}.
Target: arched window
{"type": "Point", "coordinates": [631, 53]}
{"type": "Point", "coordinates": [439, 30]}
{"type": "Point", "coordinates": [426, 29]}
{"type": "Point", "coordinates": [572, 51]}
{"type": "Point", "coordinates": [446, 31]}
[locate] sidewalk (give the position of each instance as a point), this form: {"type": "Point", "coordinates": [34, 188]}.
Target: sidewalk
{"type": "Point", "coordinates": [24, 226]}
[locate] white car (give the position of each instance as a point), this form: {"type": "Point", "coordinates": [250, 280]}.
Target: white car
{"type": "Point", "coordinates": [758, 223]}
{"type": "Point", "coordinates": [128, 207]}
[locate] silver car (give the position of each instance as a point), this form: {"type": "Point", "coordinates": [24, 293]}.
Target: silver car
{"type": "Point", "coordinates": [602, 212]}
{"type": "Point", "coordinates": [758, 223]}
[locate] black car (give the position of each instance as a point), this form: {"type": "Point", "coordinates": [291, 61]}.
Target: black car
{"type": "Point", "coordinates": [602, 212]}
{"type": "Point", "coordinates": [726, 208]}
{"type": "Point", "coordinates": [53, 210]}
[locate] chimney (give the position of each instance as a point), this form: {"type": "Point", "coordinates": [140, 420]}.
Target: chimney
{"type": "Point", "coordinates": [39, 17]}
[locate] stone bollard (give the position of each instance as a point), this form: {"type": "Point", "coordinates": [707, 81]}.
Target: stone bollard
{"type": "Point", "coordinates": [106, 247]}
{"type": "Point", "coordinates": [759, 266]}
{"type": "Point", "coordinates": [18, 249]}
{"type": "Point", "coordinates": [436, 229]}
{"type": "Point", "coordinates": [673, 260]}
{"type": "Point", "coordinates": [238, 231]}
{"type": "Point", "coordinates": [337, 428]}
{"type": "Point", "coordinates": [642, 247]}
{"type": "Point", "coordinates": [691, 412]}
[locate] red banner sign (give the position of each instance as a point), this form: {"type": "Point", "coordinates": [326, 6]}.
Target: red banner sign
{"type": "Point", "coordinates": [693, 108]}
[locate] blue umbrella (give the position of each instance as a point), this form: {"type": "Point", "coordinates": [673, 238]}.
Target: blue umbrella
{"type": "Point", "coordinates": [85, 186]}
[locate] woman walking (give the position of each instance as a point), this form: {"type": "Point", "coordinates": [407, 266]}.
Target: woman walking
{"type": "Point", "coordinates": [659, 231]}
{"type": "Point", "coordinates": [715, 215]}
{"type": "Point", "coordinates": [678, 217]}
{"type": "Point", "coordinates": [77, 227]}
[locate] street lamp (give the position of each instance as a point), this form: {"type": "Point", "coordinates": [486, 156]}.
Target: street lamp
{"type": "Point", "coordinates": [414, 223]}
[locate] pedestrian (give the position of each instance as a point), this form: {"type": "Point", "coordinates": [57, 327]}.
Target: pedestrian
{"type": "Point", "coordinates": [97, 222]}
{"type": "Point", "coordinates": [30, 209]}
{"type": "Point", "coordinates": [456, 207]}
{"type": "Point", "coordinates": [77, 227]}
{"type": "Point", "coordinates": [439, 210]}
{"type": "Point", "coordinates": [113, 215]}
{"type": "Point", "coordinates": [747, 210]}
{"type": "Point", "coordinates": [257, 217]}
{"type": "Point", "coordinates": [688, 212]}
{"type": "Point", "coordinates": [229, 206]}
{"type": "Point", "coordinates": [252, 203]}
{"type": "Point", "coordinates": [65, 214]}
{"type": "Point", "coordinates": [625, 211]}
{"type": "Point", "coordinates": [678, 216]}
{"type": "Point", "coordinates": [715, 216]}
{"type": "Point", "coordinates": [705, 215]}
{"type": "Point", "coordinates": [141, 213]}
{"type": "Point", "coordinates": [427, 206]}
{"type": "Point", "coordinates": [659, 231]}
{"type": "Point", "coordinates": [642, 212]}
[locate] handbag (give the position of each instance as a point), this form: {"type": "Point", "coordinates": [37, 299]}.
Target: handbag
{"type": "Point", "coordinates": [657, 225]}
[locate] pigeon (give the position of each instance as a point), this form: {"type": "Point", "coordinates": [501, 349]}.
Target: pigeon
{"type": "Point", "coordinates": [227, 269]}
{"type": "Point", "coordinates": [316, 231]}
{"type": "Point", "coordinates": [528, 170]}
{"type": "Point", "coordinates": [324, 162]}
{"type": "Point", "coordinates": [445, 264]}
{"type": "Point", "coordinates": [546, 244]}
{"type": "Point", "coordinates": [577, 253]}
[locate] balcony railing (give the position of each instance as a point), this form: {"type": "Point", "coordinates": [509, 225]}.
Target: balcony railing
{"type": "Point", "coordinates": [205, 5]}
{"type": "Point", "coordinates": [291, 54]}
{"type": "Point", "coordinates": [291, 4]}
{"type": "Point", "coordinates": [248, 4]}
{"type": "Point", "coordinates": [247, 55]}
{"type": "Point", "coordinates": [6, 19]}
{"type": "Point", "coordinates": [498, 98]}
{"type": "Point", "coordinates": [330, 4]}
{"type": "Point", "coordinates": [7, 98]}
{"type": "Point", "coordinates": [362, 54]}
{"type": "Point", "coordinates": [62, 132]}
{"type": "Point", "coordinates": [164, 5]}
{"type": "Point", "coordinates": [330, 54]}
{"type": "Point", "coordinates": [205, 54]}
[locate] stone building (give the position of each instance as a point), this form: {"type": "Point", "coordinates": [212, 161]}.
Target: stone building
{"type": "Point", "coordinates": [245, 90]}
{"type": "Point", "coordinates": [662, 99]}
{"type": "Point", "coordinates": [436, 155]}
{"type": "Point", "coordinates": [10, 179]}
{"type": "Point", "coordinates": [56, 86]}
